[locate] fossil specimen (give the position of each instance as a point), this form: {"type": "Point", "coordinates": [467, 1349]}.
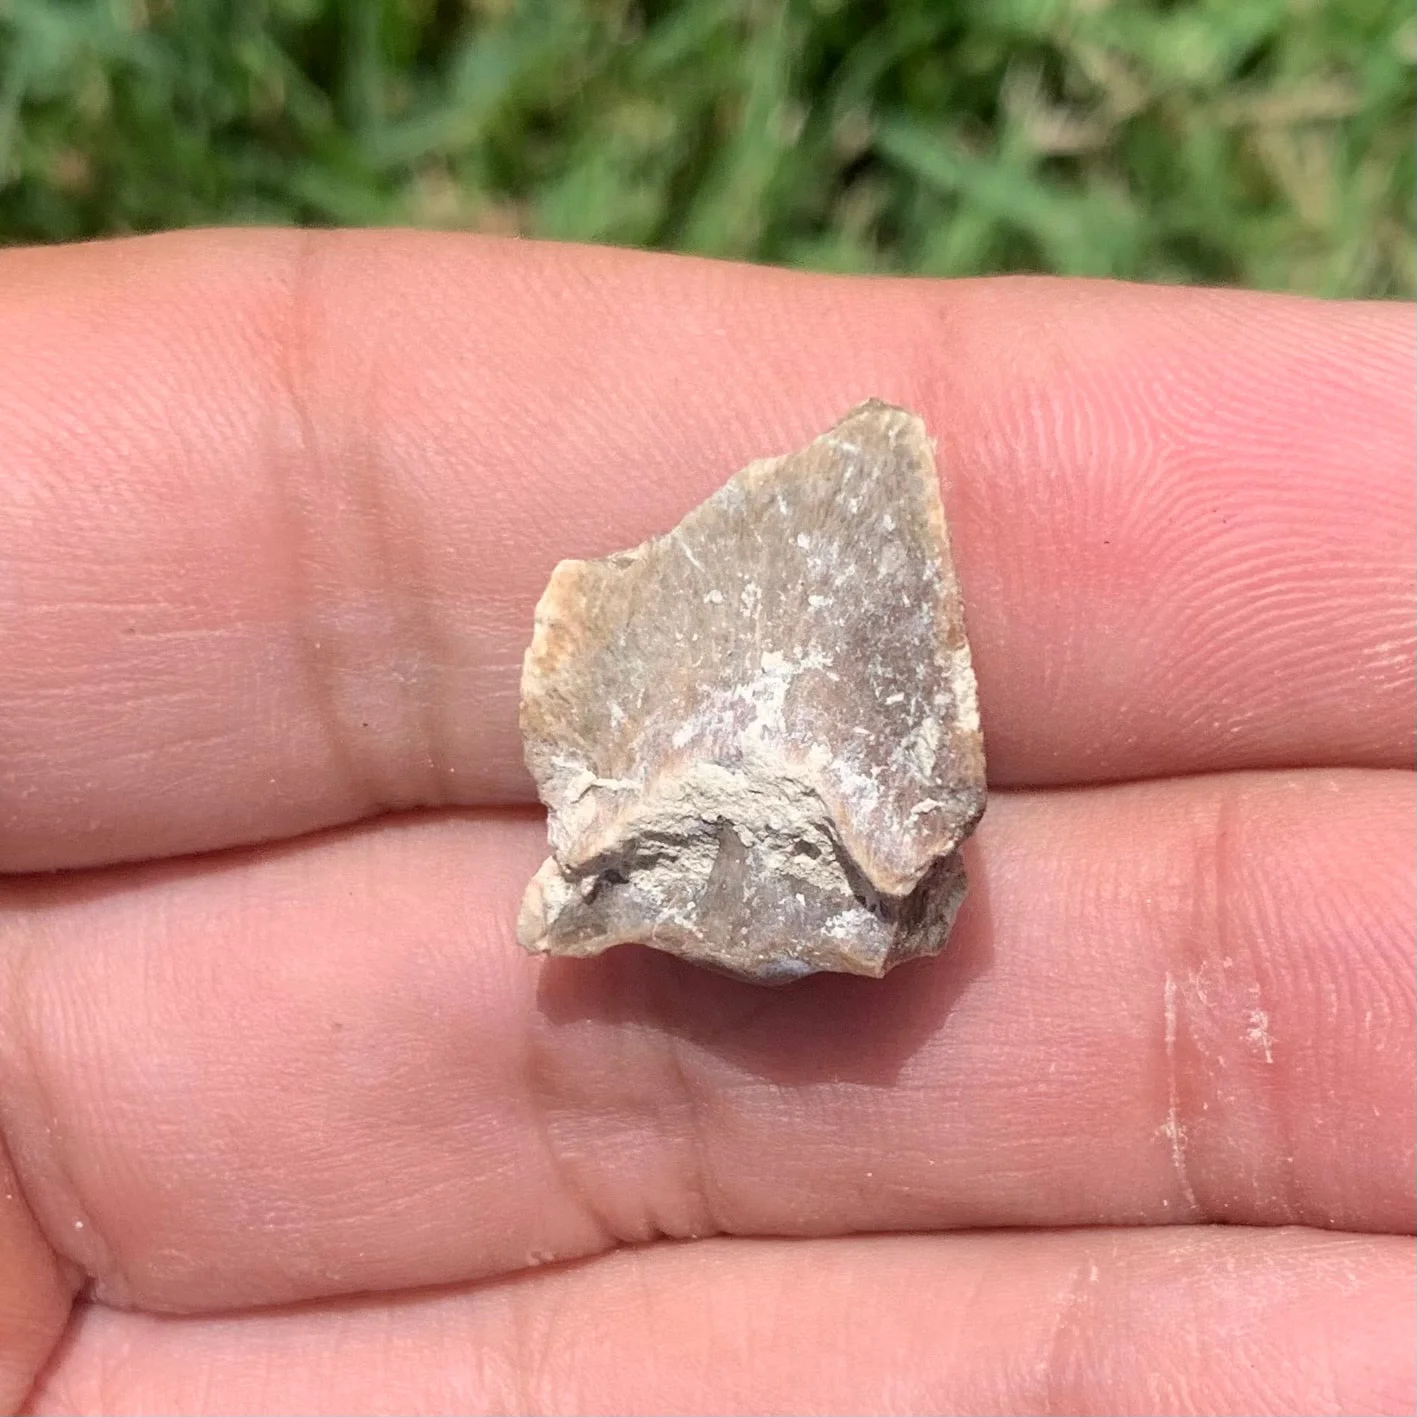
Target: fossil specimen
{"type": "Point", "coordinates": [758, 735]}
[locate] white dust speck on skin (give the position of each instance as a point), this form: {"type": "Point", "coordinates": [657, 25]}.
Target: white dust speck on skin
{"type": "Point", "coordinates": [1215, 987]}
{"type": "Point", "coordinates": [1376, 1040]}
{"type": "Point", "coordinates": [1198, 987]}
{"type": "Point", "coordinates": [1259, 1034]}
{"type": "Point", "coordinates": [1171, 1128]}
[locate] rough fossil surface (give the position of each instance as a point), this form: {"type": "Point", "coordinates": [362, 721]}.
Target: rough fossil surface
{"type": "Point", "coordinates": [758, 736]}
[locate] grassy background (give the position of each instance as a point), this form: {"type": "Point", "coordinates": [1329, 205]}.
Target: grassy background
{"type": "Point", "coordinates": [1261, 142]}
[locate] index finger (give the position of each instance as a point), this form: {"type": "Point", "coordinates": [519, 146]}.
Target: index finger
{"type": "Point", "coordinates": [276, 508]}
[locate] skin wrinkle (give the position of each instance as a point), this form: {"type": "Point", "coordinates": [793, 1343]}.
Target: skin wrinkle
{"type": "Point", "coordinates": [538, 1363]}
{"type": "Point", "coordinates": [643, 1220]}
{"type": "Point", "coordinates": [1174, 1128]}
{"type": "Point", "coordinates": [292, 364]}
{"type": "Point", "coordinates": [24, 1073]}
{"type": "Point", "coordinates": [678, 1125]}
{"type": "Point", "coordinates": [345, 490]}
{"type": "Point", "coordinates": [696, 1184]}
{"type": "Point", "coordinates": [1279, 1177]}
{"type": "Point", "coordinates": [1213, 989]}
{"type": "Point", "coordinates": [1057, 1380]}
{"type": "Point", "coordinates": [43, 1309]}
{"type": "Point", "coordinates": [1206, 933]}
{"type": "Point", "coordinates": [539, 1091]}
{"type": "Point", "coordinates": [1321, 982]}
{"type": "Point", "coordinates": [1216, 877]}
{"type": "Point", "coordinates": [401, 579]}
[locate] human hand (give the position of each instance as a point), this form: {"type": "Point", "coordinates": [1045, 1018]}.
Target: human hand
{"type": "Point", "coordinates": [292, 1116]}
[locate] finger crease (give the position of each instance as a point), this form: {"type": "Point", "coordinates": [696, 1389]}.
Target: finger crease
{"type": "Point", "coordinates": [66, 1223]}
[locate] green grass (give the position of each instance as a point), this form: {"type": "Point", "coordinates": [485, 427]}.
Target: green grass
{"type": "Point", "coordinates": [1257, 142]}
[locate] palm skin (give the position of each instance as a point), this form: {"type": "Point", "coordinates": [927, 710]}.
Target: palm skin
{"type": "Point", "coordinates": [290, 1124]}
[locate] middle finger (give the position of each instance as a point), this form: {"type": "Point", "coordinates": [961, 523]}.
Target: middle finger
{"type": "Point", "coordinates": [325, 1067]}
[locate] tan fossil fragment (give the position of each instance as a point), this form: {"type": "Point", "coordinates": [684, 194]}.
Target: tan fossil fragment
{"type": "Point", "coordinates": [758, 735]}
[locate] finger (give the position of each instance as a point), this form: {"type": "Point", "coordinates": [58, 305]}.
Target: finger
{"type": "Point", "coordinates": [1199, 1321]}
{"type": "Point", "coordinates": [34, 1292]}
{"type": "Point", "coordinates": [276, 509]}
{"type": "Point", "coordinates": [327, 1068]}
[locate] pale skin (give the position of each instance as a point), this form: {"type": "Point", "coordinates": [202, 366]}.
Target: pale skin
{"type": "Point", "coordinates": [290, 1123]}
